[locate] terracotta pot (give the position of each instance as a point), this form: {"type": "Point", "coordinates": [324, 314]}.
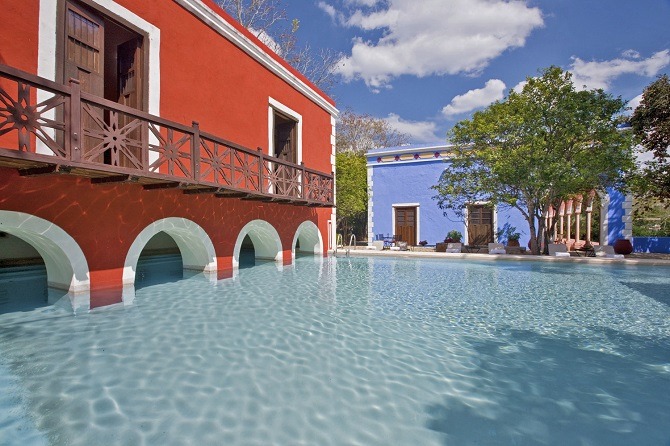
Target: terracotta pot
{"type": "Point", "coordinates": [623, 246]}
{"type": "Point", "coordinates": [513, 242]}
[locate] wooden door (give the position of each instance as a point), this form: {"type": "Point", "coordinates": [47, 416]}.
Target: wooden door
{"type": "Point", "coordinates": [129, 87]}
{"type": "Point", "coordinates": [285, 145]}
{"type": "Point", "coordinates": [480, 224]}
{"type": "Point", "coordinates": [405, 224]}
{"type": "Point", "coordinates": [84, 60]}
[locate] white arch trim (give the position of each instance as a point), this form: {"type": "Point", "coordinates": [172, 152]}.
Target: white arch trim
{"type": "Point", "coordinates": [65, 262]}
{"type": "Point", "coordinates": [197, 249]}
{"type": "Point", "coordinates": [310, 238]}
{"type": "Point", "coordinates": [267, 244]}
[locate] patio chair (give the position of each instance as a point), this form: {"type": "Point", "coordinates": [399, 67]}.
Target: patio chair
{"type": "Point", "coordinates": [558, 250]}
{"type": "Point", "coordinates": [607, 252]}
{"type": "Point", "coordinates": [454, 247]}
{"type": "Point", "coordinates": [497, 248]}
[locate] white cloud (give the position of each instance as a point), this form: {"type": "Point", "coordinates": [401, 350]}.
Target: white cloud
{"type": "Point", "coordinates": [419, 131]}
{"type": "Point", "coordinates": [473, 99]}
{"type": "Point", "coordinates": [519, 87]}
{"type": "Point", "coordinates": [635, 102]}
{"type": "Point", "coordinates": [435, 37]}
{"type": "Point", "coordinates": [600, 74]}
{"type": "Point", "coordinates": [328, 9]}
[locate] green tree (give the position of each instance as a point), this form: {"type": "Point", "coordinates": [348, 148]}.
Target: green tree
{"type": "Point", "coordinates": [651, 124]}
{"type": "Point", "coordinates": [352, 192]}
{"type": "Point", "coordinates": [536, 148]}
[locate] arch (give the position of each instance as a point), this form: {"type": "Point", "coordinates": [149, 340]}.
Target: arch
{"type": "Point", "coordinates": [66, 265]}
{"type": "Point", "coordinates": [310, 238]}
{"type": "Point", "coordinates": [265, 238]}
{"type": "Point", "coordinates": [197, 249]}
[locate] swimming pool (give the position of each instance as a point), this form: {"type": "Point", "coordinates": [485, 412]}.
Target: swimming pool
{"type": "Point", "coordinates": [352, 351]}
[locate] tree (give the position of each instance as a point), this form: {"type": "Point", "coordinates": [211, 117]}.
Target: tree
{"type": "Point", "coordinates": [352, 192]}
{"type": "Point", "coordinates": [356, 135]}
{"type": "Point", "coordinates": [535, 149]}
{"type": "Point", "coordinates": [267, 20]}
{"type": "Point", "coordinates": [651, 124]}
{"type": "Point", "coordinates": [362, 133]}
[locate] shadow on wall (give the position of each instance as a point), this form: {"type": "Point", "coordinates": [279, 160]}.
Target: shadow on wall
{"type": "Point", "coordinates": [659, 245]}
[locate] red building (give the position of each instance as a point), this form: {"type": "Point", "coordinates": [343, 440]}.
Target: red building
{"type": "Point", "coordinates": [124, 119]}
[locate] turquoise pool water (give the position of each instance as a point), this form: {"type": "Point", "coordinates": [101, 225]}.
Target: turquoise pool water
{"type": "Point", "coordinates": [351, 352]}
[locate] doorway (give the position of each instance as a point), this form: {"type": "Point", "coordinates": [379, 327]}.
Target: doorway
{"type": "Point", "coordinates": [405, 224]}
{"type": "Point", "coordinates": [480, 224]}
{"type": "Point", "coordinates": [107, 58]}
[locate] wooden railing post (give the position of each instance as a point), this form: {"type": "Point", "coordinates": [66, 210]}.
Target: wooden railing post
{"type": "Point", "coordinates": [302, 181]}
{"type": "Point", "coordinates": [195, 151]}
{"type": "Point", "coordinates": [76, 136]}
{"type": "Point", "coordinates": [261, 160]}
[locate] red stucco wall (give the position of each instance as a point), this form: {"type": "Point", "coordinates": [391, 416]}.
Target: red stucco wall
{"type": "Point", "coordinates": [105, 219]}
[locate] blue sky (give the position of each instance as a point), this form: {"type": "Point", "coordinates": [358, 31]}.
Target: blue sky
{"type": "Point", "coordinates": [423, 65]}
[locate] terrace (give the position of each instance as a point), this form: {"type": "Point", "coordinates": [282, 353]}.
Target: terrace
{"type": "Point", "coordinates": [48, 128]}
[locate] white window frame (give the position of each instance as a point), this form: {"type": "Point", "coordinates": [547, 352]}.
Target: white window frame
{"type": "Point", "coordinates": [275, 105]}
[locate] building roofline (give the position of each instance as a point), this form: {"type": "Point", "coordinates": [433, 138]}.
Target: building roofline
{"type": "Point", "coordinates": [408, 149]}
{"type": "Point", "coordinates": [221, 22]}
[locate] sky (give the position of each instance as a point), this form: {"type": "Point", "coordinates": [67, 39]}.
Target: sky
{"type": "Point", "coordinates": [423, 65]}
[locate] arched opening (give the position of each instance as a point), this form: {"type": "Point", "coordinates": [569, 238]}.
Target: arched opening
{"type": "Point", "coordinates": [264, 239]}
{"type": "Point", "coordinates": [247, 253]}
{"type": "Point", "coordinates": [160, 261]}
{"type": "Point", "coordinates": [307, 240]}
{"type": "Point", "coordinates": [164, 243]}
{"type": "Point", "coordinates": [39, 264]}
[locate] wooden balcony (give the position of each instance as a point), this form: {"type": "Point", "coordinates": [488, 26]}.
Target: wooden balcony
{"type": "Point", "coordinates": [49, 128]}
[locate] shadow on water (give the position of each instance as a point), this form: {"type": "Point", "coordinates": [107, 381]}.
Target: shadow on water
{"type": "Point", "coordinates": [24, 288]}
{"type": "Point", "coordinates": [657, 291]}
{"type": "Point", "coordinates": [155, 269]}
{"type": "Point", "coordinates": [530, 389]}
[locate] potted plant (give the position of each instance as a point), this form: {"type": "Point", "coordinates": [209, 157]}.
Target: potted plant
{"type": "Point", "coordinates": [423, 242]}
{"type": "Point", "coordinates": [508, 235]}
{"type": "Point", "coordinates": [453, 236]}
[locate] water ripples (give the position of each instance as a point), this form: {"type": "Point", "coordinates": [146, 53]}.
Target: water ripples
{"type": "Point", "coordinates": [351, 351]}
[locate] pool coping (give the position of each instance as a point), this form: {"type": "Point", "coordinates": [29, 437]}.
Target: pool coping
{"type": "Point", "coordinates": [498, 257]}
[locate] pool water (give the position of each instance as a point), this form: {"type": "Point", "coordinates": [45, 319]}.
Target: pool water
{"type": "Point", "coordinates": [351, 352]}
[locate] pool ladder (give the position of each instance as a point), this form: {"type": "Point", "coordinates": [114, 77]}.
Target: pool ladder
{"type": "Point", "coordinates": [351, 239]}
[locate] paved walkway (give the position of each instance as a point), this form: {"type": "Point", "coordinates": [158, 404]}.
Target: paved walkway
{"type": "Point", "coordinates": [633, 259]}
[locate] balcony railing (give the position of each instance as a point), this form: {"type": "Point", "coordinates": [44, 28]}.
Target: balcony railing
{"type": "Point", "coordinates": [46, 127]}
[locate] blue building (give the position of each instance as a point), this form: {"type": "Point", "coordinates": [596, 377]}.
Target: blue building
{"type": "Point", "coordinates": [401, 199]}
{"type": "Point", "coordinates": [401, 203]}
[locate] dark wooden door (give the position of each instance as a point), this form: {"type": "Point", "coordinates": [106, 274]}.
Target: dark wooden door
{"type": "Point", "coordinates": [405, 224]}
{"type": "Point", "coordinates": [84, 60]}
{"type": "Point", "coordinates": [285, 149]}
{"type": "Point", "coordinates": [129, 80]}
{"type": "Point", "coordinates": [480, 224]}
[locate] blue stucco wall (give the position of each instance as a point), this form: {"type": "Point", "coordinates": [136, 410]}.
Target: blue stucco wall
{"type": "Point", "coordinates": [651, 244]}
{"type": "Point", "coordinates": [615, 216]}
{"type": "Point", "coordinates": [410, 182]}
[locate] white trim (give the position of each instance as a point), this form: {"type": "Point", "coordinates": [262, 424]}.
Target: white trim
{"type": "Point", "coordinates": [278, 106]}
{"type": "Point", "coordinates": [400, 150]}
{"type": "Point", "coordinates": [417, 228]}
{"type": "Point", "coordinates": [266, 240]}
{"type": "Point", "coordinates": [47, 39]}
{"type": "Point", "coordinates": [395, 163]}
{"type": "Point", "coordinates": [229, 32]}
{"type": "Point", "coordinates": [65, 262]}
{"type": "Point", "coordinates": [196, 248]}
{"type": "Point", "coordinates": [371, 222]}
{"type": "Point", "coordinates": [310, 238]}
